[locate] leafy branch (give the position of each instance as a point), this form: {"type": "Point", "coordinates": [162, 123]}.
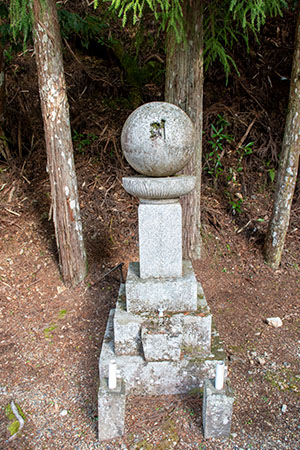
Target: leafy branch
{"type": "Point", "coordinates": [225, 22]}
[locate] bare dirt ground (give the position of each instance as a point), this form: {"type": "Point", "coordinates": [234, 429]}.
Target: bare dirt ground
{"type": "Point", "coordinates": [51, 335]}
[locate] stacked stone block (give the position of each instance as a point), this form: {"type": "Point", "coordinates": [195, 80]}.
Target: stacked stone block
{"type": "Point", "coordinates": [160, 332]}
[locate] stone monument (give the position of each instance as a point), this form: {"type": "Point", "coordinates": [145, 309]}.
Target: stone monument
{"type": "Point", "coordinates": [160, 332]}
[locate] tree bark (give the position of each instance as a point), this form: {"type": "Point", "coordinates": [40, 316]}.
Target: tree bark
{"type": "Point", "coordinates": [287, 174]}
{"type": "Point", "coordinates": [60, 160]}
{"type": "Point", "coordinates": [4, 149]}
{"type": "Point", "coordinates": [184, 88]}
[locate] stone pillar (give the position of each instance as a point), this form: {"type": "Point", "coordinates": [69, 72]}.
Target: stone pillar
{"type": "Point", "coordinates": [160, 239]}
{"type": "Point", "coordinates": [217, 410]}
{"type": "Point", "coordinates": [111, 410]}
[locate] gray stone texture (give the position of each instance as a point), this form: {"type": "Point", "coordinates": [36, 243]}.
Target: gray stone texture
{"type": "Point", "coordinates": [153, 294]}
{"type": "Point", "coordinates": [197, 332]}
{"type": "Point", "coordinates": [158, 139]}
{"type": "Point", "coordinates": [111, 410]}
{"type": "Point", "coordinates": [161, 338]}
{"type": "Point", "coordinates": [217, 410]}
{"type": "Point", "coordinates": [160, 240]}
{"type": "Point", "coordinates": [159, 188]}
{"type": "Point", "coordinates": [159, 343]}
{"type": "Point", "coordinates": [160, 377]}
{"type": "Point", "coordinates": [127, 333]}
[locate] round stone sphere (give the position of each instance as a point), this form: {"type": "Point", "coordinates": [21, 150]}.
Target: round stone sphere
{"type": "Point", "coordinates": [158, 139]}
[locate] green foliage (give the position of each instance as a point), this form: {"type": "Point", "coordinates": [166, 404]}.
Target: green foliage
{"type": "Point", "coordinates": [88, 28]}
{"type": "Point", "coordinates": [21, 18]}
{"type": "Point", "coordinates": [272, 173]}
{"type": "Point", "coordinates": [48, 331]}
{"type": "Point", "coordinates": [6, 38]}
{"type": "Point", "coordinates": [14, 426]}
{"type": "Point", "coordinates": [4, 26]}
{"type": "Point", "coordinates": [255, 12]}
{"type": "Point", "coordinates": [62, 313]}
{"type": "Point", "coordinates": [83, 141]}
{"type": "Point", "coordinates": [236, 206]}
{"type": "Point", "coordinates": [231, 21]}
{"type": "Point", "coordinates": [242, 152]}
{"type": "Point", "coordinates": [225, 23]}
{"type": "Point", "coordinates": [167, 12]}
{"type": "Point", "coordinates": [219, 137]}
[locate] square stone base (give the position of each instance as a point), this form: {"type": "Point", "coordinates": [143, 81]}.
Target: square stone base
{"type": "Point", "coordinates": [169, 294]}
{"type": "Point", "coordinates": [217, 410]}
{"type": "Point", "coordinates": [161, 377]}
{"type": "Point", "coordinates": [111, 410]}
{"type": "Point", "coordinates": [162, 338]}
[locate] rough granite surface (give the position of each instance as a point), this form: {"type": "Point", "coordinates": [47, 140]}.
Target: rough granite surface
{"type": "Point", "coordinates": [111, 410]}
{"type": "Point", "coordinates": [152, 294]}
{"type": "Point", "coordinates": [158, 139]}
{"type": "Point", "coordinates": [217, 410]}
{"type": "Point", "coordinates": [160, 240]}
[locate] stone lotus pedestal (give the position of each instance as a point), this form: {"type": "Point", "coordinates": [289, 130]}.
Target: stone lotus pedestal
{"type": "Point", "coordinates": [160, 332]}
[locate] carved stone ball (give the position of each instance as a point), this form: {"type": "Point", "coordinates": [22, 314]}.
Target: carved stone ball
{"type": "Point", "coordinates": [158, 139]}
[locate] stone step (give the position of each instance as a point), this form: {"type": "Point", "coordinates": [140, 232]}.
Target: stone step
{"type": "Point", "coordinates": [152, 294]}
{"type": "Point", "coordinates": [161, 377]}
{"type": "Point", "coordinates": [162, 338]}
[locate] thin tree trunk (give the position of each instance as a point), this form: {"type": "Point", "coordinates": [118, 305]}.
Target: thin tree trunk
{"type": "Point", "coordinates": [184, 88]}
{"type": "Point", "coordinates": [287, 174]}
{"type": "Point", "coordinates": [60, 161]}
{"type": "Point", "coordinates": [4, 149]}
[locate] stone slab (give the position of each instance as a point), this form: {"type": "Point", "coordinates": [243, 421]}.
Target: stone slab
{"type": "Point", "coordinates": [160, 377]}
{"type": "Point", "coordinates": [159, 344]}
{"type": "Point", "coordinates": [127, 332]}
{"type": "Point", "coordinates": [164, 337]}
{"type": "Point", "coordinates": [160, 240]}
{"type": "Point", "coordinates": [111, 410]}
{"type": "Point", "coordinates": [217, 410]}
{"type": "Point", "coordinates": [197, 332]}
{"type": "Point", "coordinates": [153, 294]}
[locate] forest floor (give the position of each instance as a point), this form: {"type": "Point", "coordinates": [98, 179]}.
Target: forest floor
{"type": "Point", "coordinates": [51, 335]}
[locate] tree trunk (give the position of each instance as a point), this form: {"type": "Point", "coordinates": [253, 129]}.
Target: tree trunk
{"type": "Point", "coordinates": [184, 88]}
{"type": "Point", "coordinates": [287, 174]}
{"type": "Point", "coordinates": [4, 149]}
{"type": "Point", "coordinates": [60, 160]}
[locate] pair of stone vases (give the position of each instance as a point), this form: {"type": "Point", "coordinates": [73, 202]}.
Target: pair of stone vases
{"type": "Point", "coordinates": [160, 332]}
